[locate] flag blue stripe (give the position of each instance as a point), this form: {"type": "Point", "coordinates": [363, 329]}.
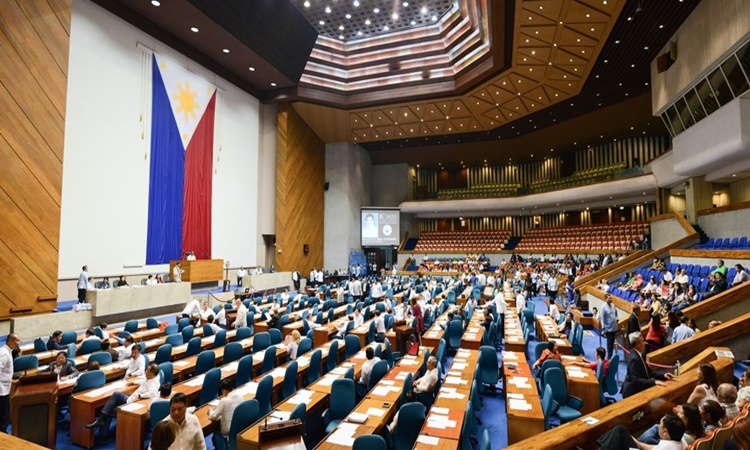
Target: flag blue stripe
{"type": "Point", "coordinates": [167, 179]}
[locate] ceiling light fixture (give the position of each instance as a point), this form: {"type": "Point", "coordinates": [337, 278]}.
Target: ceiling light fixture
{"type": "Point", "coordinates": [194, 29]}
{"type": "Point", "coordinates": [226, 50]}
{"type": "Point", "coordinates": [273, 84]}
{"type": "Point", "coordinates": [307, 4]}
{"type": "Point", "coordinates": [251, 69]}
{"type": "Point", "coordinates": [155, 3]}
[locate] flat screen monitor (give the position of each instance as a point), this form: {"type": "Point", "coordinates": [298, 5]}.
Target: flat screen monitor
{"type": "Point", "coordinates": [380, 227]}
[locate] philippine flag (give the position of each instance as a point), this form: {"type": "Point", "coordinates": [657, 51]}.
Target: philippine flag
{"type": "Point", "coordinates": [181, 176]}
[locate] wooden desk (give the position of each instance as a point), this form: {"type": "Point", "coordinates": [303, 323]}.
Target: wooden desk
{"type": "Point", "coordinates": [526, 418]}
{"type": "Point", "coordinates": [426, 442]}
{"type": "Point", "coordinates": [110, 302]}
{"type": "Point", "coordinates": [514, 341]}
{"type": "Point", "coordinates": [472, 337]}
{"type": "Point", "coordinates": [34, 413]}
{"type": "Point", "coordinates": [444, 422]}
{"type": "Point", "coordinates": [546, 328]}
{"type": "Point", "coordinates": [582, 383]}
{"type": "Point", "coordinates": [83, 410]}
{"type": "Point", "coordinates": [11, 442]}
{"type": "Point", "coordinates": [200, 270]}
{"type": "Point", "coordinates": [27, 349]}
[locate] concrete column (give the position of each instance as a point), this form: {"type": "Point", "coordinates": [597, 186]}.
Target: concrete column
{"type": "Point", "coordinates": [698, 195]}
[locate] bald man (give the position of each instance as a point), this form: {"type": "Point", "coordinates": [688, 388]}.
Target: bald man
{"type": "Point", "coordinates": [6, 378]}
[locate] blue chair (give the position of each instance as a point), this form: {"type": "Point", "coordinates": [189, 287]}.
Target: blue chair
{"type": "Point", "coordinates": [246, 413]}
{"type": "Point", "coordinates": [25, 362]}
{"type": "Point", "coordinates": [332, 358]}
{"type": "Point", "coordinates": [39, 345]}
{"type": "Point", "coordinates": [352, 346]}
{"type": "Point", "coordinates": [405, 389]}
{"type": "Point", "coordinates": [131, 326]}
{"type": "Point", "coordinates": [206, 361]}
{"type": "Point", "coordinates": [313, 371]}
{"type": "Point", "coordinates": [243, 333]}
{"type": "Point", "coordinates": [261, 341]}
{"type": "Point", "coordinates": [163, 354]}
{"type": "Point", "coordinates": [269, 360]}
{"type": "Point", "coordinates": [232, 352]}
{"type": "Point", "coordinates": [244, 370]}
{"type": "Point", "coordinates": [567, 407]}
{"type": "Point", "coordinates": [210, 387]}
{"type": "Point", "coordinates": [440, 355]}
{"type": "Point", "coordinates": [299, 413]}
{"type": "Point", "coordinates": [187, 333]}
{"type": "Point", "coordinates": [454, 333]}
{"type": "Point", "coordinates": [467, 428]}
{"type": "Point", "coordinates": [194, 347]}
{"type": "Point", "coordinates": [221, 338]}
{"type": "Point", "coordinates": [608, 383]}
{"type": "Point", "coordinates": [305, 345]}
{"type": "Point", "coordinates": [208, 330]}
{"type": "Point", "coordinates": [174, 340]}
{"type": "Point", "coordinates": [171, 329]}
{"type": "Point", "coordinates": [343, 399]}
{"type": "Point", "coordinates": [369, 442]}
{"type": "Point", "coordinates": [410, 421]}
{"type": "Point", "coordinates": [159, 410]}
{"type": "Point", "coordinates": [151, 323]}
{"type": "Point", "coordinates": [101, 357]}
{"type": "Point", "coordinates": [488, 366]}
{"type": "Point", "coordinates": [167, 370]}
{"type": "Point", "coordinates": [547, 365]}
{"type": "Point", "coordinates": [71, 351]}
{"type": "Point", "coordinates": [548, 406]}
{"type": "Point", "coordinates": [284, 320]}
{"type": "Point", "coordinates": [289, 386]}
{"type": "Point", "coordinates": [68, 337]}
{"type": "Point", "coordinates": [263, 395]}
{"type": "Point", "coordinates": [251, 321]}
{"type": "Point", "coordinates": [90, 346]}
{"type": "Point", "coordinates": [275, 336]}
{"type": "Point", "coordinates": [90, 380]}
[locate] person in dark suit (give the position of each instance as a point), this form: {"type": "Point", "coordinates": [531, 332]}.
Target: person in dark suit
{"type": "Point", "coordinates": [54, 341]}
{"type": "Point", "coordinates": [640, 376]}
{"type": "Point", "coordinates": [63, 367]}
{"type": "Point", "coordinates": [633, 323]}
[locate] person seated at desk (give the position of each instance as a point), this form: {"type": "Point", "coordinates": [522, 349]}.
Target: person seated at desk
{"type": "Point", "coordinates": [601, 358]}
{"type": "Point", "coordinates": [53, 343]}
{"type": "Point", "coordinates": [292, 343]}
{"type": "Point", "coordinates": [121, 282]}
{"type": "Point", "coordinates": [566, 327]}
{"type": "Point", "coordinates": [273, 320]}
{"type": "Point", "coordinates": [127, 348]}
{"type": "Point", "coordinates": [103, 327]}
{"type": "Point", "coordinates": [189, 431]}
{"type": "Point", "coordinates": [106, 347]}
{"type": "Point", "coordinates": [551, 352]}
{"type": "Point", "coordinates": [364, 378]}
{"type": "Point", "coordinates": [206, 311]}
{"type": "Point", "coordinates": [358, 319]}
{"type": "Point", "coordinates": [444, 323]}
{"type": "Point", "coordinates": [150, 281]}
{"type": "Point", "coordinates": [712, 414]}
{"type": "Point", "coordinates": [489, 319]}
{"type": "Point", "coordinates": [224, 411]}
{"type": "Point", "coordinates": [210, 321]}
{"type": "Point", "coordinates": [136, 365]}
{"type": "Point", "coordinates": [159, 279]}
{"type": "Point", "coordinates": [148, 387]}
{"type": "Point", "coordinates": [192, 311]}
{"type": "Point", "coordinates": [163, 435]}
{"type": "Point", "coordinates": [640, 376]}
{"type": "Point", "coordinates": [670, 432]}
{"type": "Point", "coordinates": [105, 283]}
{"type": "Point", "coordinates": [91, 335]}
{"type": "Point", "coordinates": [341, 333]}
{"type": "Point", "coordinates": [63, 367]}
{"type": "Point", "coordinates": [422, 385]}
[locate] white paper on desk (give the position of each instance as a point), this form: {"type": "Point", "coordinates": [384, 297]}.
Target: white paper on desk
{"type": "Point", "coordinates": [590, 420]}
{"type": "Point", "coordinates": [513, 339]}
{"type": "Point", "coordinates": [181, 347]}
{"type": "Point", "coordinates": [251, 387]}
{"type": "Point", "coordinates": [153, 341]}
{"type": "Point", "coordinates": [440, 421]}
{"type": "Point", "coordinates": [197, 381]}
{"type": "Point", "coordinates": [576, 374]}
{"type": "Point", "coordinates": [432, 334]}
{"type": "Point", "coordinates": [356, 417]}
{"type": "Point", "coordinates": [277, 373]}
{"type": "Point", "coordinates": [207, 340]}
{"type": "Point", "coordinates": [402, 375]}
{"type": "Point", "coordinates": [458, 366]}
{"type": "Point", "coordinates": [345, 426]}
{"type": "Point", "coordinates": [341, 437]}
{"type": "Point", "coordinates": [359, 355]}
{"type": "Point", "coordinates": [519, 405]}
{"type": "Point", "coordinates": [380, 391]}
{"type": "Point", "coordinates": [377, 412]}
{"type": "Point", "coordinates": [452, 380]}
{"type": "Point", "coordinates": [463, 353]}
{"type": "Point", "coordinates": [245, 342]}
{"type": "Point", "coordinates": [470, 336]}
{"type": "Point", "coordinates": [305, 393]}
{"type": "Point", "coordinates": [279, 416]}
{"type": "Point", "coordinates": [135, 406]}
{"type": "Point", "coordinates": [214, 402]}
{"type": "Point", "coordinates": [281, 346]}
{"type": "Point", "coordinates": [514, 396]}
{"type": "Point", "coordinates": [568, 357]}
{"type": "Point", "coordinates": [303, 360]}
{"type": "Point", "coordinates": [387, 382]}
{"type": "Point", "coordinates": [429, 440]}
{"type": "Point", "coordinates": [439, 410]}
{"type": "Point", "coordinates": [68, 382]}
{"type": "Point", "coordinates": [296, 400]}
{"type": "Point", "coordinates": [339, 371]}
{"type": "Point", "coordinates": [558, 341]}
{"type": "Point", "coordinates": [327, 380]}
{"type": "Point", "coordinates": [181, 363]}
{"type": "Point", "coordinates": [231, 366]}
{"type": "Point", "coordinates": [408, 362]}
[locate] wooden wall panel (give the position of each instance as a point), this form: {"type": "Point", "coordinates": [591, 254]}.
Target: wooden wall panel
{"type": "Point", "coordinates": [34, 46]}
{"type": "Point", "coordinates": [300, 175]}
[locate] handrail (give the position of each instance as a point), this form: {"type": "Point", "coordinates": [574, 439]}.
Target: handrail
{"type": "Point", "coordinates": [713, 336]}
{"type": "Point", "coordinates": [723, 209]}
{"type": "Point", "coordinates": [403, 241]}
{"type": "Point", "coordinates": [605, 272]}
{"type": "Point", "coordinates": [635, 413]}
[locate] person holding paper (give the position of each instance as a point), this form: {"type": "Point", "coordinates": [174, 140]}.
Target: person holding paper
{"type": "Point", "coordinates": [601, 358]}
{"type": "Point", "coordinates": [224, 411]}
{"type": "Point", "coordinates": [148, 388]}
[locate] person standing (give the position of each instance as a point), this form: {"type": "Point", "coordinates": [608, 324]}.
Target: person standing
{"type": "Point", "coordinates": [608, 323]}
{"type": "Point", "coordinates": [240, 273]}
{"type": "Point", "coordinates": [241, 319]}
{"type": "Point", "coordinates": [639, 376]}
{"type": "Point", "coordinates": [6, 378]}
{"type": "Point", "coordinates": [177, 273]}
{"type": "Point", "coordinates": [83, 280]}
{"type": "Point", "coordinates": [295, 279]}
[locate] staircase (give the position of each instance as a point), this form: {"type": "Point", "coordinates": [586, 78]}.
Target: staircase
{"type": "Point", "coordinates": [512, 242]}
{"type": "Point", "coordinates": [701, 233]}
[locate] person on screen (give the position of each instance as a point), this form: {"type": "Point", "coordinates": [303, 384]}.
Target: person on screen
{"type": "Point", "coordinates": [370, 230]}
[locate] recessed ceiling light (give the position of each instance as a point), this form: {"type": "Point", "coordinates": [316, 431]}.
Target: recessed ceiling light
{"type": "Point", "coordinates": [394, 16]}
{"type": "Point", "coordinates": [413, 22]}
{"type": "Point", "coordinates": [273, 84]}
{"type": "Point", "coordinates": [341, 36]}
{"type": "Point", "coordinates": [155, 3]}
{"type": "Point", "coordinates": [434, 18]}
{"type": "Point", "coordinates": [367, 22]}
{"type": "Point", "coordinates": [322, 22]}
{"type": "Point", "coordinates": [251, 69]}
{"type": "Point", "coordinates": [386, 28]}
{"type": "Point", "coordinates": [356, 3]}
{"type": "Point", "coordinates": [341, 27]}
{"type": "Point", "coordinates": [226, 50]}
{"type": "Point", "coordinates": [348, 16]}
{"type": "Point", "coordinates": [405, 4]}
{"type": "Point", "coordinates": [328, 10]}
{"type": "Point", "coordinates": [194, 29]}
{"type": "Point", "coordinates": [661, 26]}
{"type": "Point", "coordinates": [376, 10]}
{"type": "Point", "coordinates": [359, 33]}
{"type": "Point", "coordinates": [423, 10]}
{"type": "Point", "coordinates": [307, 4]}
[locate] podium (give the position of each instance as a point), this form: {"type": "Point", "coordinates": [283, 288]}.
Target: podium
{"type": "Point", "coordinates": [201, 272]}
{"type": "Point", "coordinates": [34, 413]}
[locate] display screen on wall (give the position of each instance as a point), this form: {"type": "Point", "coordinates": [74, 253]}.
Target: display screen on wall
{"type": "Point", "coordinates": [379, 227]}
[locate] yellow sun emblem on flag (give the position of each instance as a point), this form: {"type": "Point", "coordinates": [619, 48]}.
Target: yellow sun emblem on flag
{"type": "Point", "coordinates": [186, 101]}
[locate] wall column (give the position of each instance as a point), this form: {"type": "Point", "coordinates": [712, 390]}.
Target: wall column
{"type": "Point", "coordinates": [698, 195]}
